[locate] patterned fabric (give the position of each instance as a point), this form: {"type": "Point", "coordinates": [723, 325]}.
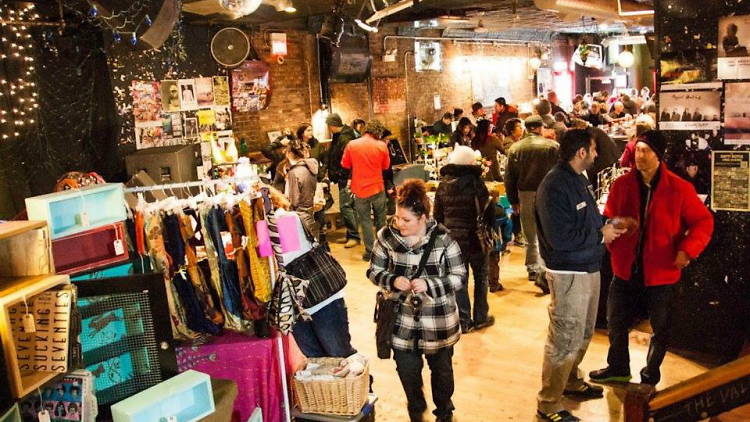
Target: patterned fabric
{"type": "Point", "coordinates": [162, 262]}
{"type": "Point", "coordinates": [436, 324]}
{"type": "Point", "coordinates": [286, 302]}
{"type": "Point", "coordinates": [259, 266]}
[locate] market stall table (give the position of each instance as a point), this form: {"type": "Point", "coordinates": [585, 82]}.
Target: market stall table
{"type": "Point", "coordinates": [249, 361]}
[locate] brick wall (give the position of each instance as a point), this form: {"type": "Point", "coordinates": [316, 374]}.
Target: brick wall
{"type": "Point", "coordinates": [295, 89]}
{"type": "Point", "coordinates": [398, 88]}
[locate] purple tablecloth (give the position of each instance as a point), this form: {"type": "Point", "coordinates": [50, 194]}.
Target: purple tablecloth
{"type": "Point", "coordinates": [251, 362]}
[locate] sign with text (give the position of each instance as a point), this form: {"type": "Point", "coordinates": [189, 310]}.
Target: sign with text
{"type": "Point", "coordinates": [43, 348]}
{"type": "Point", "coordinates": [731, 180]}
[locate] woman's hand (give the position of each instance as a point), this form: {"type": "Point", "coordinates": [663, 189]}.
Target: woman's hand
{"type": "Point", "coordinates": [418, 285]}
{"type": "Point", "coordinates": [402, 283]}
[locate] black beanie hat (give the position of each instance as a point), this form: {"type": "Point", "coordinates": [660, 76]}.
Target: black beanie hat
{"type": "Point", "coordinates": [655, 140]}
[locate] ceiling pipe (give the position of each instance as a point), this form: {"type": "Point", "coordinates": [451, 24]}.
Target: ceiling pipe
{"type": "Point", "coordinates": [461, 39]}
{"type": "Point", "coordinates": [605, 9]}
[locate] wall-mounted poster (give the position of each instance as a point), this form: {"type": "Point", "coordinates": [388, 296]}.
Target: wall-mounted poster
{"type": "Point", "coordinates": [150, 135]}
{"type": "Point", "coordinates": [693, 110]}
{"type": "Point", "coordinates": [734, 35]}
{"type": "Point", "coordinates": [686, 66]}
{"type": "Point", "coordinates": [191, 128]}
{"type": "Point", "coordinates": [731, 181]}
{"type": "Point", "coordinates": [223, 118]}
{"type": "Point", "coordinates": [170, 96]}
{"type": "Point", "coordinates": [689, 155]}
{"type": "Point", "coordinates": [204, 90]}
{"type": "Point", "coordinates": [146, 101]}
{"type": "Point", "coordinates": [221, 90]}
{"type": "Point", "coordinates": [251, 86]}
{"type": "Point", "coordinates": [737, 114]}
{"type": "Point", "coordinates": [187, 94]}
{"type": "Point", "coordinates": [206, 120]}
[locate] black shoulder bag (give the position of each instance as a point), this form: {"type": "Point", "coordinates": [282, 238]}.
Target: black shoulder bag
{"type": "Point", "coordinates": [386, 309]}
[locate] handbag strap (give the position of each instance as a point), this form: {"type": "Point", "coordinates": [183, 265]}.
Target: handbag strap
{"type": "Point", "coordinates": [426, 252]}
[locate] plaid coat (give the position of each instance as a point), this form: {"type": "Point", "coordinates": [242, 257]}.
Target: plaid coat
{"type": "Point", "coordinates": [436, 324]}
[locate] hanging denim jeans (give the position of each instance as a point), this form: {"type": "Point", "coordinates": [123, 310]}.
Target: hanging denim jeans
{"type": "Point", "coordinates": [225, 270]}
{"type": "Point", "coordinates": [175, 246]}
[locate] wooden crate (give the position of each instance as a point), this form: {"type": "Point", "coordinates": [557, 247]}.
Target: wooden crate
{"type": "Point", "coordinates": [13, 290]}
{"type": "Point", "coordinates": [74, 211]}
{"type": "Point", "coordinates": [25, 249]}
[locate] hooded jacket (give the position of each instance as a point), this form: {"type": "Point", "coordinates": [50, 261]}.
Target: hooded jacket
{"type": "Point", "coordinates": [436, 325]}
{"type": "Point", "coordinates": [337, 173]}
{"type": "Point", "coordinates": [676, 220]}
{"type": "Point", "coordinates": [301, 181]}
{"type": "Point", "coordinates": [456, 208]}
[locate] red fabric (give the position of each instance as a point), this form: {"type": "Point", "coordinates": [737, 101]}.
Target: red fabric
{"type": "Point", "coordinates": [627, 159]}
{"type": "Point", "coordinates": [366, 157]}
{"type": "Point", "coordinates": [677, 221]}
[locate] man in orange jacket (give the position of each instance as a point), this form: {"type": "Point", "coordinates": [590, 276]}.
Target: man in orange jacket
{"type": "Point", "coordinates": [668, 226]}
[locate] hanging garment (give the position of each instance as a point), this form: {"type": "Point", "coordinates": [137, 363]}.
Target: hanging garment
{"type": "Point", "coordinates": [195, 318]}
{"type": "Point", "coordinates": [208, 304]}
{"type": "Point", "coordinates": [260, 273]}
{"type": "Point", "coordinates": [162, 262]}
{"type": "Point", "coordinates": [252, 309]}
{"type": "Point", "coordinates": [223, 271]}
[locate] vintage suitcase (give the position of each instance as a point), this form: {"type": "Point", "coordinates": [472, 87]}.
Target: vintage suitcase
{"type": "Point", "coordinates": [184, 398]}
{"type": "Point", "coordinates": [91, 249]}
{"type": "Point", "coordinates": [164, 164]}
{"type": "Point", "coordinates": [74, 211]}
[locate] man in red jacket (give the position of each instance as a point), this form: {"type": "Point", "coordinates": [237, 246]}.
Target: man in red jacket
{"type": "Point", "coordinates": [668, 226]}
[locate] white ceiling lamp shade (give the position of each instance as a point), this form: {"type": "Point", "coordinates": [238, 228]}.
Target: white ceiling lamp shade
{"type": "Point", "coordinates": [626, 59]}
{"type": "Point", "coordinates": [233, 9]}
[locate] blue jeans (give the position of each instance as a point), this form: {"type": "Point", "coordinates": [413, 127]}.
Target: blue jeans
{"type": "Point", "coordinates": [327, 334]}
{"type": "Point", "coordinates": [375, 205]}
{"type": "Point", "coordinates": [346, 208]}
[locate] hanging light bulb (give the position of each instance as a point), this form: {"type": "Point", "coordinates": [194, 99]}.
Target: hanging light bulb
{"type": "Point", "coordinates": [133, 38]}
{"type": "Point", "coordinates": [148, 21]}
{"type": "Point", "coordinates": [625, 59]}
{"type": "Point", "coordinates": [93, 12]}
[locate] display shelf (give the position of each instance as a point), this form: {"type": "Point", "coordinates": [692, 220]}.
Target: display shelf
{"type": "Point", "coordinates": [186, 398]}
{"type": "Point", "coordinates": [14, 290]}
{"type": "Point", "coordinates": [74, 211]}
{"type": "Point", "coordinates": [25, 249]}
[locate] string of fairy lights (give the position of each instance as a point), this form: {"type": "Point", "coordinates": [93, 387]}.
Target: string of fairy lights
{"type": "Point", "coordinates": [18, 92]}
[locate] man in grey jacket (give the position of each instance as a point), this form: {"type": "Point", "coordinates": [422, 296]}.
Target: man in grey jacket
{"type": "Point", "coordinates": [529, 160]}
{"type": "Point", "coordinates": [571, 240]}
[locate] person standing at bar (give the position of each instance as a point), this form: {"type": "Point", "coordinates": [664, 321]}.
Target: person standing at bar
{"type": "Point", "coordinates": [571, 241]}
{"type": "Point", "coordinates": [670, 227]}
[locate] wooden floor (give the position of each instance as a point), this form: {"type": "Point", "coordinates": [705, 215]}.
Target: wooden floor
{"type": "Point", "coordinates": [497, 370]}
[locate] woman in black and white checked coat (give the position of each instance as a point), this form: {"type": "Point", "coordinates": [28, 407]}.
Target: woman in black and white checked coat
{"type": "Point", "coordinates": [433, 328]}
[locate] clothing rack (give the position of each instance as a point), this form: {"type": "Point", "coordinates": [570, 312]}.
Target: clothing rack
{"type": "Point", "coordinates": [200, 183]}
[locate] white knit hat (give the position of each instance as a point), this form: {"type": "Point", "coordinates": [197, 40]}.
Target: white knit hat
{"type": "Point", "coordinates": [462, 155]}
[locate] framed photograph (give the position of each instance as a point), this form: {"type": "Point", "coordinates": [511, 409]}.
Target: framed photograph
{"type": "Point", "coordinates": [690, 110]}
{"type": "Point", "coordinates": [204, 92]}
{"type": "Point", "coordinates": [734, 36]}
{"type": "Point", "coordinates": [737, 113]}
{"type": "Point", "coordinates": [188, 100]}
{"type": "Point", "coordinates": [170, 96]}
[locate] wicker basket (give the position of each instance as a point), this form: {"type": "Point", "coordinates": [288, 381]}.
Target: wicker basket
{"type": "Point", "coordinates": [342, 396]}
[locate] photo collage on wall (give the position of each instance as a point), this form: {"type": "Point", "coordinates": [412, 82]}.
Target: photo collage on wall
{"type": "Point", "coordinates": [178, 112]}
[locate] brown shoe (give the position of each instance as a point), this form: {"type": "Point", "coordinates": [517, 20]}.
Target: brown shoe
{"type": "Point", "coordinates": [351, 243]}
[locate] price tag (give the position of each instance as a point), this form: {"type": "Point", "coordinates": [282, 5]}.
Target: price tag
{"type": "Point", "coordinates": [119, 247]}
{"type": "Point", "coordinates": [28, 324]}
{"type": "Point", "coordinates": [43, 416]}
{"type": "Point", "coordinates": [83, 219]}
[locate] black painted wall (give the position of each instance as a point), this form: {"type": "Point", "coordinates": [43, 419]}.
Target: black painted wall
{"type": "Point", "coordinates": [713, 312]}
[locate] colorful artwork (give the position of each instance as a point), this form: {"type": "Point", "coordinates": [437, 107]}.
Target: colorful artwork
{"type": "Point", "coordinates": [206, 120]}
{"type": "Point", "coordinates": [223, 118]}
{"type": "Point", "coordinates": [188, 99]}
{"type": "Point", "coordinates": [221, 90]}
{"type": "Point", "coordinates": [67, 399]}
{"type": "Point", "coordinates": [251, 86]}
{"type": "Point", "coordinates": [146, 101]}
